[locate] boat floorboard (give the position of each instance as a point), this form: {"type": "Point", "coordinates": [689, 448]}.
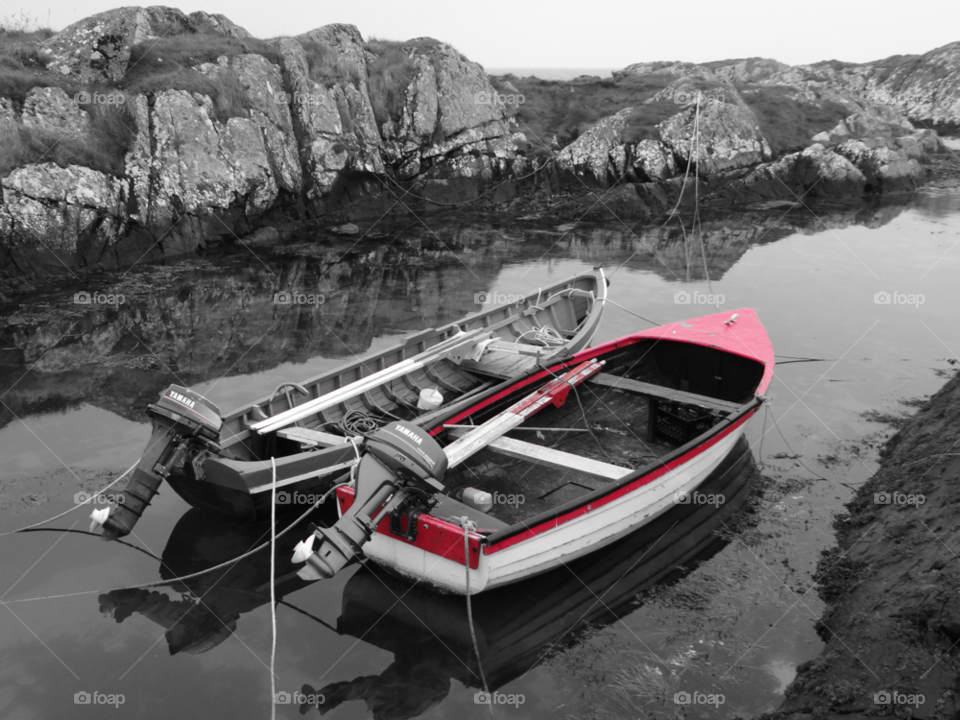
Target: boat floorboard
{"type": "Point", "coordinates": [619, 424]}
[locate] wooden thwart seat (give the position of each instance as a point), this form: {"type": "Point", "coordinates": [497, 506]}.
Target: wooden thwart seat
{"type": "Point", "coordinates": [663, 393]}
{"type": "Point", "coordinates": [549, 456]}
{"type": "Point", "coordinates": [313, 438]}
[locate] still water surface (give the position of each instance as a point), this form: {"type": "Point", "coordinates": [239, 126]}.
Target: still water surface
{"type": "Point", "coordinates": [619, 634]}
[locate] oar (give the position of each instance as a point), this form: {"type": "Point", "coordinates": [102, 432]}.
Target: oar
{"type": "Point", "coordinates": [554, 392]}
{"type": "Point", "coordinates": [367, 383]}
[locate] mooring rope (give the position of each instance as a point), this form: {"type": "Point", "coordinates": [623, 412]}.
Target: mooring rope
{"type": "Point", "coordinates": [608, 300]}
{"type": "Point", "coordinates": [161, 583]}
{"type": "Point", "coordinates": [273, 588]}
{"type": "Point", "coordinates": [75, 507]}
{"type": "Point", "coordinates": [468, 526]}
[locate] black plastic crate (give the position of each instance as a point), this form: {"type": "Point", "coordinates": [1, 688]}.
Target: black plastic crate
{"type": "Point", "coordinates": [679, 424]}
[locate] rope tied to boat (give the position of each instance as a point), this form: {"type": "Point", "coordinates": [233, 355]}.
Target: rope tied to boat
{"type": "Point", "coordinates": [273, 588]}
{"type": "Point", "coordinates": [468, 527]}
{"type": "Point", "coordinates": [546, 335]}
{"type": "Point", "coordinates": [191, 576]}
{"type": "Point", "coordinates": [90, 499]}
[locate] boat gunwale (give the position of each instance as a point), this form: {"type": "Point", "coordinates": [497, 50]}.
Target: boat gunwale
{"type": "Point", "coordinates": [440, 334]}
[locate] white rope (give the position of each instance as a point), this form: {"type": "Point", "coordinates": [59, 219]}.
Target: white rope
{"type": "Point", "coordinates": [161, 583]}
{"type": "Point", "coordinates": [696, 205]}
{"type": "Point", "coordinates": [77, 506]}
{"type": "Point", "coordinates": [273, 588]}
{"type": "Point", "coordinates": [608, 300]}
{"type": "Point", "coordinates": [547, 335]}
{"type": "Point", "coordinates": [468, 525]}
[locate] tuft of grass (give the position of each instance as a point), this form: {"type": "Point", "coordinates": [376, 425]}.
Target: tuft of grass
{"type": "Point", "coordinates": [643, 121]}
{"type": "Point", "coordinates": [325, 68]}
{"type": "Point", "coordinates": [390, 74]}
{"type": "Point", "coordinates": [21, 61]}
{"type": "Point", "coordinates": [226, 91]}
{"type": "Point", "coordinates": [193, 48]}
{"type": "Point", "coordinates": [789, 123]}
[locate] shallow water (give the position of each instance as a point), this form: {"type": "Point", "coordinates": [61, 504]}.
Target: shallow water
{"type": "Point", "coordinates": [737, 620]}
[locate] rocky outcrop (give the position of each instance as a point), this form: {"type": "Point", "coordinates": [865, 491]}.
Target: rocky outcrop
{"type": "Point", "coordinates": [98, 48]}
{"type": "Point", "coordinates": [279, 139]}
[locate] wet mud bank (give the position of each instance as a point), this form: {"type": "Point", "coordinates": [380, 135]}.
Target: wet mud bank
{"type": "Point", "coordinates": [892, 620]}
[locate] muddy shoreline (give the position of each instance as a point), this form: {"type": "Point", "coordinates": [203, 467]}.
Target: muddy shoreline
{"type": "Point", "coordinates": [890, 584]}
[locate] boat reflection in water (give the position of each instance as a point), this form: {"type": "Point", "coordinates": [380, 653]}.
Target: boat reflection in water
{"type": "Point", "coordinates": [428, 633]}
{"type": "Point", "coordinates": [211, 604]}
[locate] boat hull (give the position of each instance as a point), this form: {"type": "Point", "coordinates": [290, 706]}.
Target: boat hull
{"type": "Point", "coordinates": [547, 549]}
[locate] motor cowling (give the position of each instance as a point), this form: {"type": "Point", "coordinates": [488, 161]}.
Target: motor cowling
{"type": "Point", "coordinates": [399, 461]}
{"type": "Point", "coordinates": [178, 416]}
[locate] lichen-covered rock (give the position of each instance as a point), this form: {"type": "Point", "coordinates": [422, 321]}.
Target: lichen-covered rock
{"type": "Point", "coordinates": [653, 161]}
{"type": "Point", "coordinates": [598, 153]}
{"type": "Point", "coordinates": [813, 172]}
{"type": "Point", "coordinates": [884, 168]}
{"type": "Point", "coordinates": [98, 47]}
{"type": "Point", "coordinates": [50, 108]}
{"type": "Point", "coordinates": [728, 136]}
{"type": "Point", "coordinates": [61, 209]}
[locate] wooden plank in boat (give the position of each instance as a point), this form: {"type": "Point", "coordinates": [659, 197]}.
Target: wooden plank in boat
{"type": "Point", "coordinates": [550, 456]}
{"type": "Point", "coordinates": [306, 436]}
{"type": "Point", "coordinates": [658, 391]}
{"type": "Point", "coordinates": [500, 363]}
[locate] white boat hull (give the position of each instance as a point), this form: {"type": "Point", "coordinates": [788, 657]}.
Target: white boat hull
{"type": "Point", "coordinates": [553, 547]}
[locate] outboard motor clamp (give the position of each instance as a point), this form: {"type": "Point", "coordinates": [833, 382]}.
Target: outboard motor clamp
{"type": "Point", "coordinates": [400, 463]}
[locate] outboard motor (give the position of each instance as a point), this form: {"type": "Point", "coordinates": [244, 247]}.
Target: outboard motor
{"type": "Point", "coordinates": [181, 418]}
{"type": "Point", "coordinates": [402, 465]}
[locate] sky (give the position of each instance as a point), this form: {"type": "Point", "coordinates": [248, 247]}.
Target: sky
{"type": "Point", "coordinates": [605, 34]}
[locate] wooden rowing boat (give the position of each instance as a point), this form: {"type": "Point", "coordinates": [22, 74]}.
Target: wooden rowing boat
{"type": "Point", "coordinates": [668, 407]}
{"type": "Point", "coordinates": [224, 463]}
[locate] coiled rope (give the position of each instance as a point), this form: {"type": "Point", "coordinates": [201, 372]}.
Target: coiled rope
{"type": "Point", "coordinates": [468, 526]}
{"type": "Point", "coordinates": [547, 335]}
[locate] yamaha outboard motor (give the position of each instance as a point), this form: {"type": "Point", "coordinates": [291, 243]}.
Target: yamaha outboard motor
{"type": "Point", "coordinates": [181, 419]}
{"type": "Point", "coordinates": [402, 466]}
